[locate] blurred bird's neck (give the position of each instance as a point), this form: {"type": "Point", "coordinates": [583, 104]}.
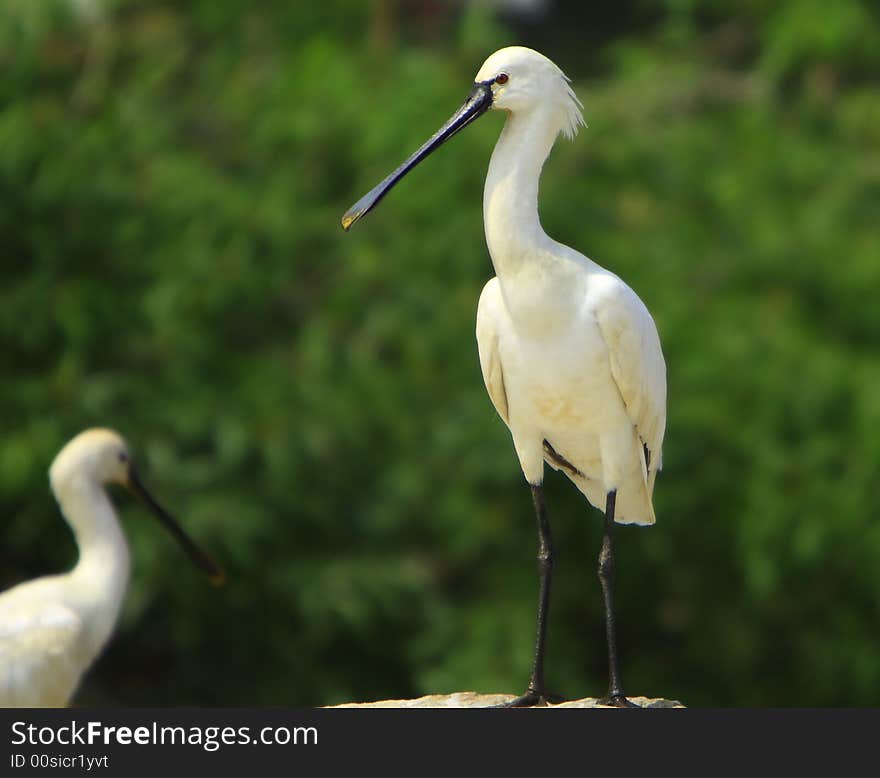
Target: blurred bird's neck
{"type": "Point", "coordinates": [99, 581]}
{"type": "Point", "coordinates": [510, 199]}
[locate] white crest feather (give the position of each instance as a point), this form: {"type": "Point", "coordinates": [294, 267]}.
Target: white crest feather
{"type": "Point", "coordinates": [574, 110]}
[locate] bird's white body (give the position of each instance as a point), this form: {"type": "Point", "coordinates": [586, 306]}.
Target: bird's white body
{"type": "Point", "coordinates": [53, 628]}
{"type": "Point", "coordinates": [570, 355]}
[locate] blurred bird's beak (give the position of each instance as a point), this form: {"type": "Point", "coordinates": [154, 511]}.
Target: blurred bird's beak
{"type": "Point", "coordinates": [199, 558]}
{"type": "Point", "coordinates": [478, 102]}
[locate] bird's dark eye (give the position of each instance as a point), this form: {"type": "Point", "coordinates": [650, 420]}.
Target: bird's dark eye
{"type": "Point", "coordinates": [122, 456]}
{"type": "Point", "coordinates": [501, 78]}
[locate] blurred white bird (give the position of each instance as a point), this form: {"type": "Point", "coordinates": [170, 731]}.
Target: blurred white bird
{"type": "Point", "coordinates": [53, 628]}
{"type": "Point", "coordinates": [570, 355]}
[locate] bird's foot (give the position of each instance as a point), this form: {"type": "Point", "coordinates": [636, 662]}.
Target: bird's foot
{"type": "Point", "coordinates": [532, 699]}
{"type": "Point", "coordinates": [617, 701]}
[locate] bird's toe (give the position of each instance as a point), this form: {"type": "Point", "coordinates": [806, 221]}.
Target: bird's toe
{"type": "Point", "coordinates": [617, 701]}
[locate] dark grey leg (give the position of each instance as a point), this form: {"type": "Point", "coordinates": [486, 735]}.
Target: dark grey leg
{"type": "Point", "coordinates": [606, 571]}
{"type": "Point", "coordinates": [535, 692]}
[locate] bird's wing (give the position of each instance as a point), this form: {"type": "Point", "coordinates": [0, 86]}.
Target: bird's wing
{"type": "Point", "coordinates": [487, 344]}
{"type": "Point", "coordinates": [638, 368]}
{"type": "Point", "coordinates": [38, 652]}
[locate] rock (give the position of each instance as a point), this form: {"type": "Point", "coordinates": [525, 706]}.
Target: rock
{"type": "Point", "coordinates": [474, 700]}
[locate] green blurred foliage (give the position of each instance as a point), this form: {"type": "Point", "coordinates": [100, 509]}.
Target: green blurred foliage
{"type": "Point", "coordinates": [310, 404]}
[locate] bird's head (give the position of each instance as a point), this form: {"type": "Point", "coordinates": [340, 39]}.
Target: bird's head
{"type": "Point", "coordinates": [522, 80]}
{"type": "Point", "coordinates": [514, 79]}
{"type": "Point", "coordinates": [101, 456]}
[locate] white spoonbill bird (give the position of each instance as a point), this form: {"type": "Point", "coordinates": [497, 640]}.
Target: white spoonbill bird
{"type": "Point", "coordinates": [53, 628]}
{"type": "Point", "coordinates": [570, 355]}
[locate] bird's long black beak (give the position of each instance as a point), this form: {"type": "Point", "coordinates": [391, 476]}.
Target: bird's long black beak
{"type": "Point", "coordinates": [199, 558]}
{"type": "Point", "coordinates": [478, 102]}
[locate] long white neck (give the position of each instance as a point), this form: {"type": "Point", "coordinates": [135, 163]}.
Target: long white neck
{"type": "Point", "coordinates": [531, 267]}
{"type": "Point", "coordinates": [98, 583]}
{"type": "Point", "coordinates": [510, 199]}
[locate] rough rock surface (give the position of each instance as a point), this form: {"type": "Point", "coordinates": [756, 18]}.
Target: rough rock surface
{"type": "Point", "coordinates": [474, 700]}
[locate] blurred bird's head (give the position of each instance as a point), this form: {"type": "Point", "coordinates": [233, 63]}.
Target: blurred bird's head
{"type": "Point", "coordinates": [97, 454]}
{"type": "Point", "coordinates": [100, 456]}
